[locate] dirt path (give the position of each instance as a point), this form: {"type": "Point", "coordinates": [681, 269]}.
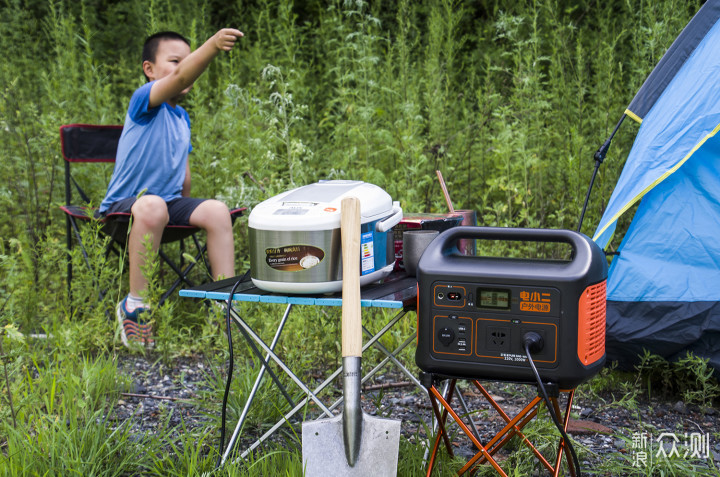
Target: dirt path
{"type": "Point", "coordinates": [163, 397]}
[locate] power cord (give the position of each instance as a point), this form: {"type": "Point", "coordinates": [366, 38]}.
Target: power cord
{"type": "Point", "coordinates": [534, 343]}
{"type": "Point", "coordinates": [230, 371]}
{"type": "Point", "coordinates": [258, 354]}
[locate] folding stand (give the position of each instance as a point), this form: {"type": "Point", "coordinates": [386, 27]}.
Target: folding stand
{"type": "Point", "coordinates": [397, 291]}
{"type": "Point", "coordinates": [514, 426]}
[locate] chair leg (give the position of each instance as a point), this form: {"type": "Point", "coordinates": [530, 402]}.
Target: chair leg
{"type": "Point", "coordinates": [72, 224]}
{"type": "Point", "coordinates": [202, 254]}
{"type": "Point", "coordinates": [512, 428]}
{"type": "Point", "coordinates": [82, 247]}
{"type": "Point", "coordinates": [483, 450]}
{"type": "Point", "coordinates": [69, 246]}
{"type": "Point", "coordinates": [440, 418]}
{"type": "Point", "coordinates": [72, 228]}
{"type": "Point", "coordinates": [182, 274]}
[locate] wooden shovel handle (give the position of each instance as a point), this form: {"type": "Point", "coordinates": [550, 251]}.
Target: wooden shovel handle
{"type": "Point", "coordinates": [351, 317]}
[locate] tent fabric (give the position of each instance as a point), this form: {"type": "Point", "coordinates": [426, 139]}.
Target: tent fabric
{"type": "Point", "coordinates": [678, 125]}
{"type": "Point", "coordinates": [664, 284]}
{"type": "Point", "coordinates": [686, 327]}
{"type": "Point", "coordinates": [671, 251]}
{"type": "Point", "coordinates": [663, 293]}
{"type": "Point", "coordinates": [673, 59]}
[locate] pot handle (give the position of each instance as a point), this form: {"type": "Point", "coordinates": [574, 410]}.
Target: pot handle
{"type": "Point", "coordinates": [392, 221]}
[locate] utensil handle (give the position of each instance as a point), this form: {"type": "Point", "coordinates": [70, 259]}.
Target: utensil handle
{"type": "Point", "coordinates": [445, 191]}
{"type": "Point", "coordinates": [350, 238]}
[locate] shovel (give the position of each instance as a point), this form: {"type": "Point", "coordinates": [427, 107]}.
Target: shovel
{"type": "Point", "coordinates": [352, 443]}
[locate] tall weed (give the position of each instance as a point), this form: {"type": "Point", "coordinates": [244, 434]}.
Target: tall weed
{"type": "Point", "coordinates": [508, 99]}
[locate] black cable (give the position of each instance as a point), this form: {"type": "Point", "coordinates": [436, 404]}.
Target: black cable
{"type": "Point", "coordinates": [265, 364]}
{"type": "Point", "coordinates": [533, 339]}
{"type": "Point", "coordinates": [599, 157]}
{"type": "Point", "coordinates": [257, 352]}
{"type": "Point", "coordinates": [230, 371]}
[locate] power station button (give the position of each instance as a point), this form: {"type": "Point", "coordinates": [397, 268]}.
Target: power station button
{"type": "Point", "coordinates": [446, 336]}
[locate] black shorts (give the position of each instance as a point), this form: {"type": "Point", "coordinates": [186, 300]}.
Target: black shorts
{"type": "Point", "coordinates": [179, 209]}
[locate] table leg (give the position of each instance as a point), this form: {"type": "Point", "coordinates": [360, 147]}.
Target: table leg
{"type": "Point", "coordinates": [392, 357]}
{"type": "Point", "coordinates": [312, 395]}
{"type": "Point", "coordinates": [255, 388]}
{"type": "Point", "coordinates": [280, 363]}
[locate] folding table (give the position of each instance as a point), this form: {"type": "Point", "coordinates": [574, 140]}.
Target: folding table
{"type": "Point", "coordinates": [398, 291]}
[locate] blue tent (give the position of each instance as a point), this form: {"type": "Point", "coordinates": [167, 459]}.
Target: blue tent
{"type": "Point", "coordinates": [664, 283]}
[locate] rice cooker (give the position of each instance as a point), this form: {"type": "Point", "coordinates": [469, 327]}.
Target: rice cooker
{"type": "Point", "coordinates": [295, 242]}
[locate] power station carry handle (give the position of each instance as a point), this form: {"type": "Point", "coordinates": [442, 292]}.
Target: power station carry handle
{"type": "Point", "coordinates": [581, 244]}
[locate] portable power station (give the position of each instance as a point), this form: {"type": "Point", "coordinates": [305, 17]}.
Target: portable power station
{"type": "Point", "coordinates": [474, 312]}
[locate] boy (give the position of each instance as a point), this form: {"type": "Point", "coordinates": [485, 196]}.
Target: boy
{"type": "Point", "coordinates": [152, 156]}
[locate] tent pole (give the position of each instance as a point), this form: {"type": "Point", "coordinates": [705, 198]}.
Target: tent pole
{"type": "Point", "coordinates": [599, 157]}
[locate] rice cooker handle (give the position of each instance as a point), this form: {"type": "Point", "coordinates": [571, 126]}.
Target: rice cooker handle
{"type": "Point", "coordinates": [391, 221]}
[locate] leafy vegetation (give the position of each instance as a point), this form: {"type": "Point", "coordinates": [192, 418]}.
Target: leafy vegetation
{"type": "Point", "coordinates": [508, 99]}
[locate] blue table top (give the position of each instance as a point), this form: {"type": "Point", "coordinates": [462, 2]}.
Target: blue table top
{"type": "Point", "coordinates": [396, 291]}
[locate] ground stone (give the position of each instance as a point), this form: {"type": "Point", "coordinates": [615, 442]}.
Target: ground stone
{"type": "Point", "coordinates": [603, 429]}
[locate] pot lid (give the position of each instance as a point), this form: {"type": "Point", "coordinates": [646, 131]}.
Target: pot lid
{"type": "Point", "coordinates": [317, 206]}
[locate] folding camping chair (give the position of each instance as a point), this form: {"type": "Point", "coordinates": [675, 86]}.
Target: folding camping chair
{"type": "Point", "coordinates": [88, 143]}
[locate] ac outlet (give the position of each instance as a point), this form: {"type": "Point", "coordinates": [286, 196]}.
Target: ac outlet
{"type": "Point", "coordinates": [497, 338]}
{"type": "Point", "coordinates": [547, 353]}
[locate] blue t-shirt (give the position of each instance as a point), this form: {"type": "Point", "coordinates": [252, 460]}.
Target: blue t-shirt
{"type": "Point", "coordinates": [153, 151]}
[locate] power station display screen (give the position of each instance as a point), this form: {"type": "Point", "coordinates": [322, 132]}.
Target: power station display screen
{"type": "Point", "coordinates": [493, 298]}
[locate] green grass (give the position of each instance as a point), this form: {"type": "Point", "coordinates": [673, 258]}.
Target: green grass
{"type": "Point", "coordinates": [508, 99]}
{"type": "Point", "coordinates": [63, 402]}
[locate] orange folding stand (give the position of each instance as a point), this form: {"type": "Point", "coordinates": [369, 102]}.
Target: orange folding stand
{"type": "Point", "coordinates": [513, 426]}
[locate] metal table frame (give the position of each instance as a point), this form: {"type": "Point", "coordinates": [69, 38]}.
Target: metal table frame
{"type": "Point", "coordinates": [397, 292]}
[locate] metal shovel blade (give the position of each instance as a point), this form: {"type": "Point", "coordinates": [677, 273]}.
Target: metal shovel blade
{"type": "Point", "coordinates": [353, 443]}
{"type": "Point", "coordinates": [324, 452]}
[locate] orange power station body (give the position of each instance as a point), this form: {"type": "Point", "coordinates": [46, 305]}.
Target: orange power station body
{"type": "Point", "coordinates": [474, 312]}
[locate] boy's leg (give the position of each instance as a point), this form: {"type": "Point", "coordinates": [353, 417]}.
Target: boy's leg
{"type": "Point", "coordinates": [150, 216]}
{"type": "Point", "coordinates": [214, 217]}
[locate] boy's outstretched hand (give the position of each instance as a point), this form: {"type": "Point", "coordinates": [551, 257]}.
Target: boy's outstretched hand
{"type": "Point", "coordinates": [225, 39]}
{"type": "Point", "coordinates": [176, 71]}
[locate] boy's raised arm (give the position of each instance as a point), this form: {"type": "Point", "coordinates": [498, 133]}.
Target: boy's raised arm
{"type": "Point", "coordinates": [188, 69]}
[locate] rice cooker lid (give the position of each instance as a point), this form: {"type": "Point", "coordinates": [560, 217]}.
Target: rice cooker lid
{"type": "Point", "coordinates": [317, 206]}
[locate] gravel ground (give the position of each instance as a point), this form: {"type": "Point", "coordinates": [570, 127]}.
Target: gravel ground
{"type": "Point", "coordinates": [163, 397]}
{"type": "Point", "coordinates": [161, 394]}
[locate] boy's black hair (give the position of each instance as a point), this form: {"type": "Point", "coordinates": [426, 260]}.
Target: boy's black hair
{"type": "Point", "coordinates": [151, 43]}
